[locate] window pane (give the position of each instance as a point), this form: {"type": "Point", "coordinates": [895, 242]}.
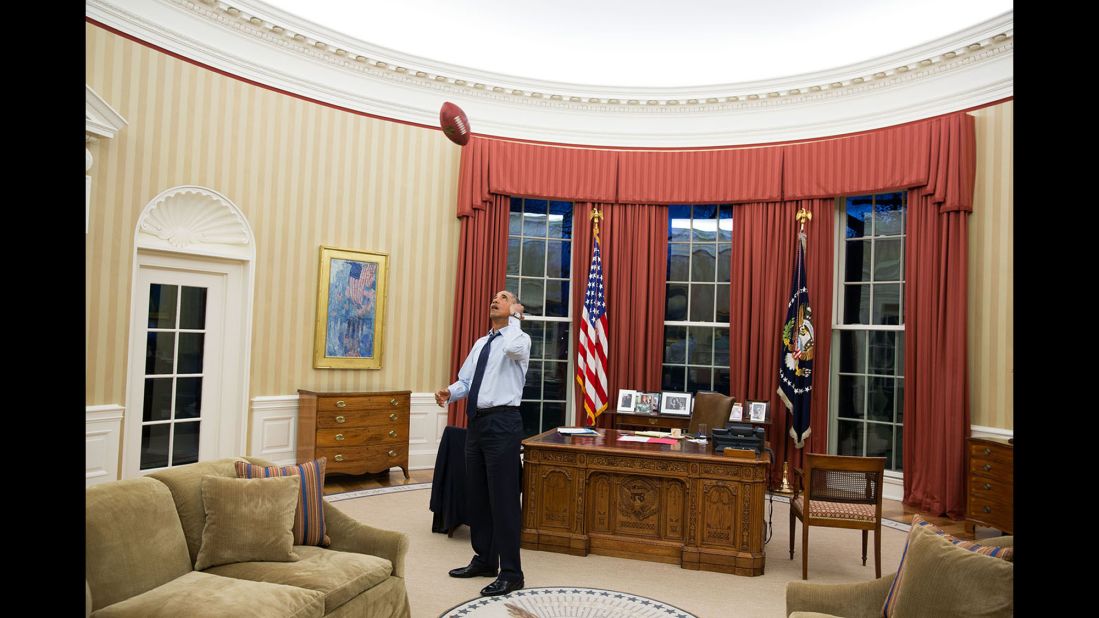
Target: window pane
{"type": "Point", "coordinates": [858, 216]}
{"type": "Point", "coordinates": [679, 223]}
{"type": "Point", "coordinates": [192, 308]}
{"type": "Point", "coordinates": [188, 397]}
{"type": "Point", "coordinates": [534, 258]}
{"type": "Point", "coordinates": [558, 258]}
{"type": "Point", "coordinates": [722, 301]}
{"type": "Point", "coordinates": [536, 330]}
{"type": "Point", "coordinates": [724, 259]}
{"type": "Point", "coordinates": [889, 214]}
{"type": "Point", "coordinates": [700, 345]}
{"type": "Point", "coordinates": [702, 302]}
{"type": "Point", "coordinates": [557, 298]}
{"type": "Point", "coordinates": [557, 340]}
{"type": "Point", "coordinates": [154, 446]}
{"type": "Point", "coordinates": [699, 378]}
{"type": "Point", "coordinates": [533, 387]}
{"type": "Point", "coordinates": [674, 378]}
{"type": "Point", "coordinates": [162, 305]}
{"type": "Point", "coordinates": [534, 218]}
{"type": "Point", "coordinates": [553, 415]}
{"type": "Point", "coordinates": [512, 285]}
{"type": "Point", "coordinates": [560, 219]}
{"type": "Point", "coordinates": [531, 411]}
{"type": "Point", "coordinates": [513, 256]}
{"type": "Point", "coordinates": [515, 221]}
{"type": "Point", "coordinates": [887, 303]}
{"type": "Point", "coordinates": [160, 353]}
{"type": "Point", "coordinates": [887, 259]}
{"type": "Point", "coordinates": [857, 261]}
{"type": "Point", "coordinates": [157, 404]}
{"type": "Point", "coordinates": [705, 223]}
{"type": "Point", "coordinates": [190, 352]}
{"type": "Point", "coordinates": [725, 223]}
{"type": "Point", "coordinates": [721, 347]}
{"type": "Point", "coordinates": [676, 307]}
{"type": "Point", "coordinates": [679, 265]}
{"type": "Point", "coordinates": [882, 352]}
{"type": "Point", "coordinates": [900, 401]}
{"type": "Point", "coordinates": [704, 263]}
{"type": "Point", "coordinates": [530, 293]}
{"type": "Point", "coordinates": [185, 445]}
{"type": "Point", "coordinates": [900, 353]}
{"type": "Point", "coordinates": [675, 344]}
{"type": "Point", "coordinates": [856, 304]}
{"type": "Point", "coordinates": [851, 395]}
{"type": "Point", "coordinates": [879, 401]}
{"type": "Point", "coordinates": [898, 449]}
{"type": "Point", "coordinates": [849, 438]}
{"type": "Point", "coordinates": [879, 441]}
{"type": "Point", "coordinates": [721, 380]}
{"type": "Point", "coordinates": [555, 380]}
{"type": "Point", "coordinates": [853, 351]}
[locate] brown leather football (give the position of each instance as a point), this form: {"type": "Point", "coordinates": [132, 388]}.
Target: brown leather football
{"type": "Point", "coordinates": [454, 123]}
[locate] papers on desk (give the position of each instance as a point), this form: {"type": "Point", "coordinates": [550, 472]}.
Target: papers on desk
{"type": "Point", "coordinates": [654, 434]}
{"type": "Point", "coordinates": [577, 431]}
{"type": "Point", "coordinates": [632, 439]}
{"type": "Point", "coordinates": [647, 439]}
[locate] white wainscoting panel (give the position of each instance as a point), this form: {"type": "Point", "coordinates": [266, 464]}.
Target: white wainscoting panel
{"type": "Point", "coordinates": [425, 430]}
{"type": "Point", "coordinates": [274, 429]}
{"type": "Point", "coordinates": [102, 446]}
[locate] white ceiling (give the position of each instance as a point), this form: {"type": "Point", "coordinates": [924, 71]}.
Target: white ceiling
{"type": "Point", "coordinates": [647, 43]}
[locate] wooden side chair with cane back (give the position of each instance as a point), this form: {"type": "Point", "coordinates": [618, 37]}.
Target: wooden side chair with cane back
{"type": "Point", "coordinates": [710, 408]}
{"type": "Point", "coordinates": [838, 491]}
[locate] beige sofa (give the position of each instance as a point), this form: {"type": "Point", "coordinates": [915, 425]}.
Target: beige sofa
{"type": "Point", "coordinates": [142, 537]}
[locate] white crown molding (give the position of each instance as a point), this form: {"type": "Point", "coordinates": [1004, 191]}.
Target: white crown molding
{"type": "Point", "coordinates": [100, 119]}
{"type": "Point", "coordinates": [196, 220]}
{"type": "Point", "coordinates": [252, 40]}
{"type": "Point", "coordinates": [981, 431]}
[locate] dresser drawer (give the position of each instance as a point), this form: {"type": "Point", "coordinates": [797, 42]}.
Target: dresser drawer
{"type": "Point", "coordinates": [359, 459]}
{"type": "Point", "coordinates": [995, 512]}
{"type": "Point", "coordinates": [369, 435]}
{"type": "Point", "coordinates": [989, 486]}
{"type": "Point", "coordinates": [991, 468]}
{"type": "Point", "coordinates": [362, 418]}
{"type": "Point", "coordinates": [362, 402]}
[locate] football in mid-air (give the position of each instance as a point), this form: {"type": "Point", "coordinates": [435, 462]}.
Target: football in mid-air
{"type": "Point", "coordinates": [454, 123]}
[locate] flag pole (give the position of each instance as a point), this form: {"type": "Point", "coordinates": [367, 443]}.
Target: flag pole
{"type": "Point", "coordinates": [802, 216]}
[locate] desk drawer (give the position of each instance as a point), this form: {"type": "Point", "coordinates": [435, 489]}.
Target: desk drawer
{"type": "Point", "coordinates": [359, 459]}
{"type": "Point", "coordinates": [333, 419]}
{"type": "Point", "coordinates": [362, 402]}
{"type": "Point", "coordinates": [371, 435]}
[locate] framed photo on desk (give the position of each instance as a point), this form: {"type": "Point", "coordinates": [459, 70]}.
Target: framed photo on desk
{"type": "Point", "coordinates": [627, 399]}
{"type": "Point", "coordinates": [737, 413]}
{"type": "Point", "coordinates": [758, 411]}
{"type": "Point", "coordinates": [678, 404]}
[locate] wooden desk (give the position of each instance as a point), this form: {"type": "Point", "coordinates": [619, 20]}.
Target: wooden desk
{"type": "Point", "coordinates": [678, 504]}
{"type": "Point", "coordinates": [655, 422]}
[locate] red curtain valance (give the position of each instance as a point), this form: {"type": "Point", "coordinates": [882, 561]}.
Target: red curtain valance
{"type": "Point", "coordinates": [700, 176]}
{"type": "Point", "coordinates": [574, 174]}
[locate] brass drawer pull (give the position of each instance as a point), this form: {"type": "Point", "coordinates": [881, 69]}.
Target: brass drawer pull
{"type": "Point", "coordinates": [987, 467]}
{"type": "Point", "coordinates": [988, 451]}
{"type": "Point", "coordinates": [339, 437]}
{"type": "Point", "coordinates": [988, 485]}
{"type": "Point", "coordinates": [392, 433]}
{"type": "Point", "coordinates": [392, 402]}
{"type": "Point", "coordinates": [341, 404]}
{"type": "Point", "coordinates": [652, 421]}
{"type": "Point", "coordinates": [393, 417]}
{"type": "Point", "coordinates": [340, 419]}
{"type": "Point", "coordinates": [392, 453]}
{"type": "Point", "coordinates": [988, 509]}
{"type": "Point", "coordinates": [338, 458]}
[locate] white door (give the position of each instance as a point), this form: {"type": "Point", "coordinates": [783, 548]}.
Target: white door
{"type": "Point", "coordinates": [175, 384]}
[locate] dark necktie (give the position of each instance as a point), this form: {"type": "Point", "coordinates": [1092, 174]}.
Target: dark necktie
{"type": "Point", "coordinates": [478, 375]}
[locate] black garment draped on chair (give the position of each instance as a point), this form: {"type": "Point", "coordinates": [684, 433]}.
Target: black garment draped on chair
{"type": "Point", "coordinates": [448, 500]}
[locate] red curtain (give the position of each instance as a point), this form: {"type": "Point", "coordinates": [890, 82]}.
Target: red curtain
{"type": "Point", "coordinates": [577, 174]}
{"type": "Point", "coordinates": [482, 264]}
{"type": "Point", "coordinates": [635, 263]}
{"type": "Point", "coordinates": [700, 176]}
{"type": "Point", "coordinates": [764, 237]}
{"type": "Point", "coordinates": [936, 398]}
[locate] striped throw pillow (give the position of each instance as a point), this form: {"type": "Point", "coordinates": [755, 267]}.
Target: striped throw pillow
{"type": "Point", "coordinates": [309, 526]}
{"type": "Point", "coordinates": [919, 525]}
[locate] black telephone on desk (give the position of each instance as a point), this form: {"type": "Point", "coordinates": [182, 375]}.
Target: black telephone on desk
{"type": "Point", "coordinates": [738, 435]}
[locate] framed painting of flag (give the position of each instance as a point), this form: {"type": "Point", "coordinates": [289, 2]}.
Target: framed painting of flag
{"type": "Point", "coordinates": [351, 288]}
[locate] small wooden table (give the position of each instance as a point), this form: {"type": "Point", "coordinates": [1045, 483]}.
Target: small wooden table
{"type": "Point", "coordinates": [678, 504]}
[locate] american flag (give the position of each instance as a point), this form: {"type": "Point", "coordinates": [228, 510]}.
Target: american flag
{"type": "Point", "coordinates": [591, 361]}
{"type": "Point", "coordinates": [357, 281]}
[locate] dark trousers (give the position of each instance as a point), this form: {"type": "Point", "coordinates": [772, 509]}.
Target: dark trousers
{"type": "Point", "coordinates": [492, 489]}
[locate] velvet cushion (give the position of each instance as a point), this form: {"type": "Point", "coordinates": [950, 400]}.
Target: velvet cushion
{"type": "Point", "coordinates": [248, 520]}
{"type": "Point", "coordinates": [185, 483]}
{"type": "Point", "coordinates": [940, 575]}
{"type": "Point", "coordinates": [309, 528]}
{"type": "Point", "coordinates": [202, 594]}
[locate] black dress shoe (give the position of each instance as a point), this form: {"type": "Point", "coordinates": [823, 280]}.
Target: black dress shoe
{"type": "Point", "coordinates": [473, 570]}
{"type": "Point", "coordinates": [501, 586]}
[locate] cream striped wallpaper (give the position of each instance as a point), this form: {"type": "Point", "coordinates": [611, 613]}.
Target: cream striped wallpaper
{"type": "Point", "coordinates": [991, 282]}
{"type": "Point", "coordinates": [304, 175]}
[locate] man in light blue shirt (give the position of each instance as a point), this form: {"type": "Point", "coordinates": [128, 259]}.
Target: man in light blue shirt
{"type": "Point", "coordinates": [492, 380]}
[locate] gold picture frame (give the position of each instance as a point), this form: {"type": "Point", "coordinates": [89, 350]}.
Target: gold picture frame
{"type": "Point", "coordinates": [350, 325]}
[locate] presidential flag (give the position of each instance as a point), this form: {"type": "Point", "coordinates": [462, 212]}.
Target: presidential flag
{"type": "Point", "coordinates": [591, 359]}
{"type": "Point", "coordinates": [795, 371]}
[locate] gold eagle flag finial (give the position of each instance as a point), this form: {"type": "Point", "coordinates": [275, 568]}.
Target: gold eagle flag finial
{"type": "Point", "coordinates": [595, 216]}
{"type": "Point", "coordinates": [803, 216]}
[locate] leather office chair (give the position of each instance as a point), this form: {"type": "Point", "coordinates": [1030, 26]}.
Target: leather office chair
{"type": "Point", "coordinates": [838, 491]}
{"type": "Point", "coordinates": [710, 408]}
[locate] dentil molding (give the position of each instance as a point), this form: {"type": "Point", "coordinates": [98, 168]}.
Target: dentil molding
{"type": "Point", "coordinates": [252, 40]}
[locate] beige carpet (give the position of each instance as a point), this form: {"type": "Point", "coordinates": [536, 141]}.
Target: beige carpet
{"type": "Point", "coordinates": [834, 557]}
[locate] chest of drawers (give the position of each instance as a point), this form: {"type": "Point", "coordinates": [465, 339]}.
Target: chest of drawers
{"type": "Point", "coordinates": [990, 484]}
{"type": "Point", "coordinates": [359, 433]}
